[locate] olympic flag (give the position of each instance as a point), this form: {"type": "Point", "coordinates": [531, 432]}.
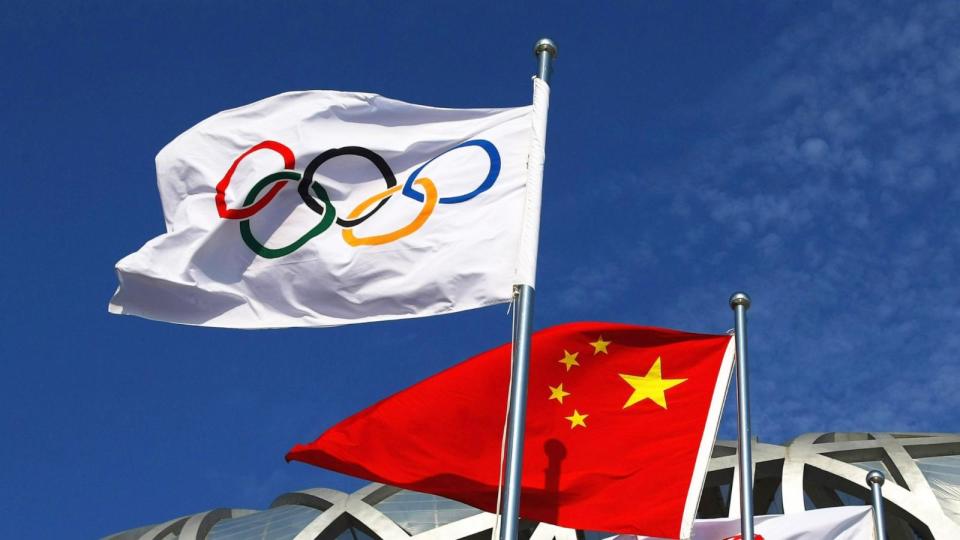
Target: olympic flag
{"type": "Point", "coordinates": [323, 208]}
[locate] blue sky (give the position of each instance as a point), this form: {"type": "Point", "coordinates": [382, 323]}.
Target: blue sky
{"type": "Point", "coordinates": [807, 153]}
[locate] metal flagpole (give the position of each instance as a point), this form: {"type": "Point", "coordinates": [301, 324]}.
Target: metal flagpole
{"type": "Point", "coordinates": [875, 480]}
{"type": "Point", "coordinates": [740, 303]}
{"type": "Point", "coordinates": [545, 51]}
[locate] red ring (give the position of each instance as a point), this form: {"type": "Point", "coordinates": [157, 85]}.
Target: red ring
{"type": "Point", "coordinates": [244, 213]}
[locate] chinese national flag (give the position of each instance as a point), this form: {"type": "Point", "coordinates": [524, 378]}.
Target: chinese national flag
{"type": "Point", "coordinates": [620, 424]}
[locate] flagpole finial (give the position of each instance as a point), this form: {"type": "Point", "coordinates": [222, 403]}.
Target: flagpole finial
{"type": "Point", "coordinates": [875, 477]}
{"type": "Point", "coordinates": [739, 299]}
{"type": "Point", "coordinates": [545, 45]}
{"type": "Point", "coordinates": [875, 480]}
{"type": "Point", "coordinates": [545, 50]}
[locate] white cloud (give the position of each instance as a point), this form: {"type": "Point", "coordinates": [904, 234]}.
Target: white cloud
{"type": "Point", "coordinates": [828, 191]}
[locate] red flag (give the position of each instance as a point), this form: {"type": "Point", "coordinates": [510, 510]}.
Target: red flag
{"type": "Point", "coordinates": [620, 424]}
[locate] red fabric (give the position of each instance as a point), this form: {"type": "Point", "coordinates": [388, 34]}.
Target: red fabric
{"type": "Point", "coordinates": [628, 471]}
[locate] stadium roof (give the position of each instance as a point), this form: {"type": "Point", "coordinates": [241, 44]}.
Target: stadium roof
{"type": "Point", "coordinates": [816, 470]}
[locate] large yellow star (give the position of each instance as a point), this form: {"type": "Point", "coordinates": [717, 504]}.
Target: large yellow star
{"type": "Point", "coordinates": [577, 419]}
{"type": "Point", "coordinates": [651, 386]}
{"type": "Point", "coordinates": [600, 346]}
{"type": "Point", "coordinates": [569, 360]}
{"type": "Point", "coordinates": [557, 393]}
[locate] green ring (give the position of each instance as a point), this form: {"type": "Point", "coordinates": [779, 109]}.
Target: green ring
{"type": "Point", "coordinates": [329, 215]}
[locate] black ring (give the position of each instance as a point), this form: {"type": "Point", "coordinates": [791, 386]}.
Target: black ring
{"type": "Point", "coordinates": [307, 179]}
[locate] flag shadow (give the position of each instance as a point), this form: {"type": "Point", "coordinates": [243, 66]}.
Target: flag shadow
{"type": "Point", "coordinates": [537, 503]}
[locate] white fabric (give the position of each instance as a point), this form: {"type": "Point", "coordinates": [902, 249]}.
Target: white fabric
{"type": "Point", "coordinates": [530, 233]}
{"type": "Point", "coordinates": [708, 439]}
{"type": "Point", "coordinates": [943, 474]}
{"type": "Point", "coordinates": [842, 523]}
{"type": "Point", "coordinates": [465, 255]}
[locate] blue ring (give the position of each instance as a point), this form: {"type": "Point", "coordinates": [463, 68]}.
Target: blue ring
{"type": "Point", "coordinates": [488, 182]}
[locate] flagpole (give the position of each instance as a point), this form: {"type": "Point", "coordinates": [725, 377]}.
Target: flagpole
{"type": "Point", "coordinates": [545, 50]}
{"type": "Point", "coordinates": [740, 303]}
{"type": "Point", "coordinates": [875, 479]}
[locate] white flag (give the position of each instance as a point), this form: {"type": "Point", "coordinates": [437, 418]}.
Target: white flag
{"type": "Point", "coordinates": [323, 208]}
{"type": "Point", "coordinates": [841, 523]}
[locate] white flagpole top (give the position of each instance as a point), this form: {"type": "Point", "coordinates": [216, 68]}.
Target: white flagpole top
{"type": "Point", "coordinates": [740, 299]}
{"type": "Point", "coordinates": [875, 477]}
{"type": "Point", "coordinates": [545, 45]}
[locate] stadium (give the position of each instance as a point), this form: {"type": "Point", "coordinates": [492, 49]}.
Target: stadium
{"type": "Point", "coordinates": [815, 470]}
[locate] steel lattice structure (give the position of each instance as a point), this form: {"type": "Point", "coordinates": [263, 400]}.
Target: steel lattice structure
{"type": "Point", "coordinates": [816, 470]}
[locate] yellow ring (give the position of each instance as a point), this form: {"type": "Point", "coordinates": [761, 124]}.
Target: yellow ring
{"type": "Point", "coordinates": [431, 202]}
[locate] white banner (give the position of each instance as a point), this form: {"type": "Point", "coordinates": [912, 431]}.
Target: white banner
{"type": "Point", "coordinates": [842, 523]}
{"type": "Point", "coordinates": [323, 208]}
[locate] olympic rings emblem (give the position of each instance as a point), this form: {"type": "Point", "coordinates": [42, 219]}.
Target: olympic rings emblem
{"type": "Point", "coordinates": [319, 200]}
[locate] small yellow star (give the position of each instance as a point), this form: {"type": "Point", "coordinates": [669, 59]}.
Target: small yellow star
{"type": "Point", "coordinates": [569, 360]}
{"type": "Point", "coordinates": [600, 346]}
{"type": "Point", "coordinates": [577, 419]}
{"type": "Point", "coordinates": [557, 393]}
{"type": "Point", "coordinates": [651, 386]}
